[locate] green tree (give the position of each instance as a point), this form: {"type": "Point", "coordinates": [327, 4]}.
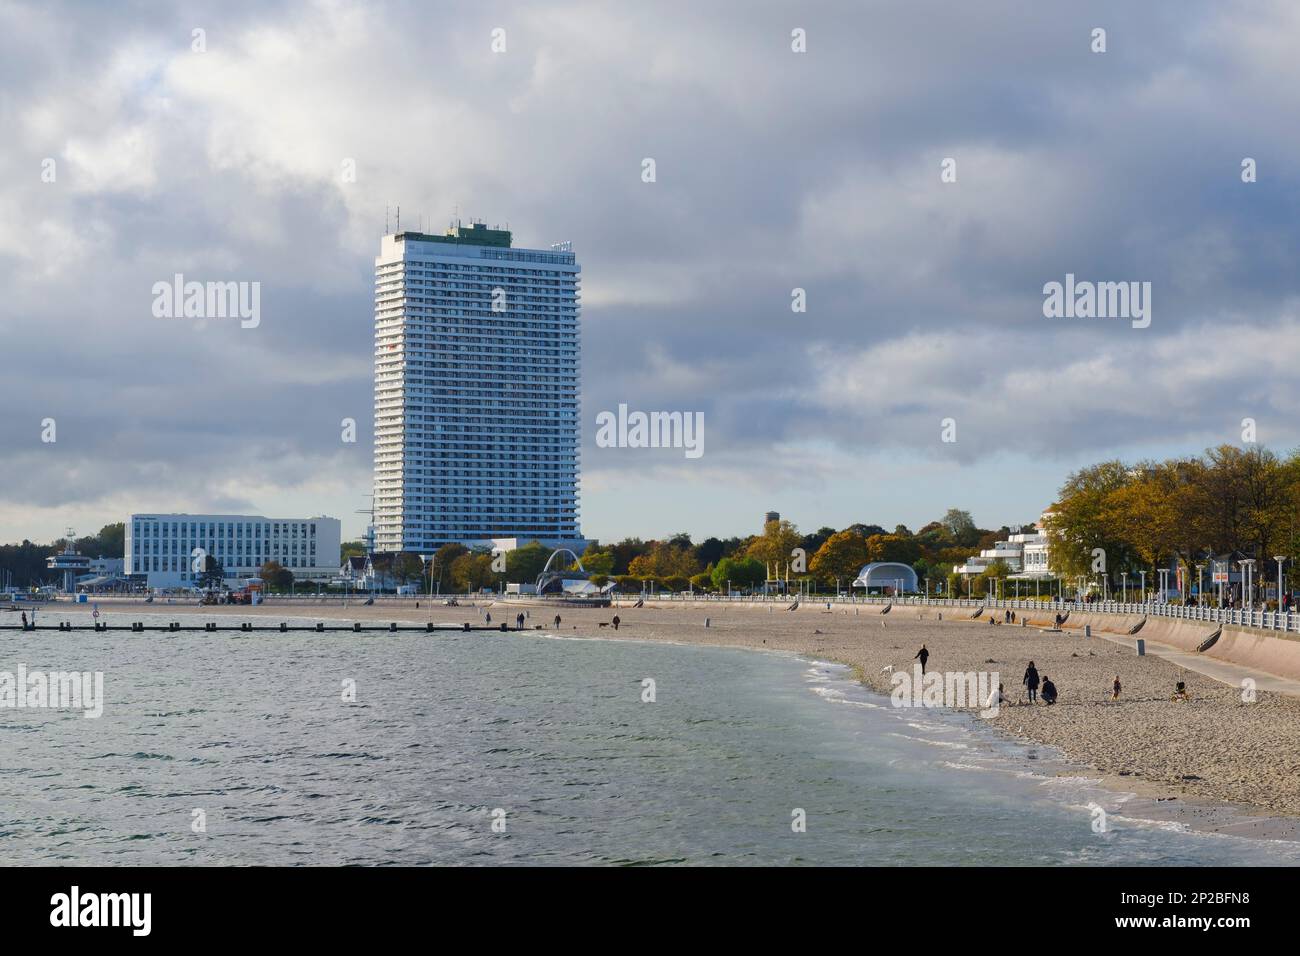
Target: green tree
{"type": "Point", "coordinates": [1082, 519]}
{"type": "Point", "coordinates": [275, 575]}
{"type": "Point", "coordinates": [213, 574]}
{"type": "Point", "coordinates": [440, 567]}
{"type": "Point", "coordinates": [960, 527]}
{"type": "Point", "coordinates": [407, 566]}
{"type": "Point", "coordinates": [472, 571]}
{"type": "Point", "coordinates": [352, 549]}
{"type": "Point", "coordinates": [741, 572]}
{"type": "Point", "coordinates": [598, 562]}
{"type": "Point", "coordinates": [524, 564]}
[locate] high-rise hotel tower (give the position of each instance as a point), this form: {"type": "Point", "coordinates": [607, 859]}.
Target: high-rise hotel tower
{"type": "Point", "coordinates": [476, 391]}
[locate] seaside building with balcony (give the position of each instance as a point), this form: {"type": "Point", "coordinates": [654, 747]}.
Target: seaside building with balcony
{"type": "Point", "coordinates": [477, 355]}
{"type": "Point", "coordinates": [1025, 553]}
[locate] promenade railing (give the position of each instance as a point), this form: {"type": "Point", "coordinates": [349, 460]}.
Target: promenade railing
{"type": "Point", "coordinates": [1284, 621]}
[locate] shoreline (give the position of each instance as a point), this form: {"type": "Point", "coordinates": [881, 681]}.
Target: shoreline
{"type": "Point", "coordinates": [1213, 764]}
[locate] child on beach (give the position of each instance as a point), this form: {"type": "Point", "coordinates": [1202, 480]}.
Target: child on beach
{"type": "Point", "coordinates": [1180, 691]}
{"type": "Point", "coordinates": [1115, 688]}
{"type": "Point", "coordinates": [998, 698]}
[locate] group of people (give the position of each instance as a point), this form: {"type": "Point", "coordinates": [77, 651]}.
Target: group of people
{"type": "Point", "coordinates": [1039, 686]}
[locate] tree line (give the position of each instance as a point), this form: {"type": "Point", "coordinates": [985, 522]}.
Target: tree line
{"type": "Point", "coordinates": [26, 561]}
{"type": "Point", "coordinates": [825, 558]}
{"type": "Point", "coordinates": [1230, 503]}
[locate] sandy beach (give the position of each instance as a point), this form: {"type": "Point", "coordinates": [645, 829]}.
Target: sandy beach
{"type": "Point", "coordinates": [1188, 758]}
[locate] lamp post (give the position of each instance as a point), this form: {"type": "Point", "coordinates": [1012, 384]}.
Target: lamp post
{"type": "Point", "coordinates": [1248, 597]}
{"type": "Point", "coordinates": [1200, 584]}
{"type": "Point", "coordinates": [1279, 558]}
{"type": "Point", "coordinates": [1144, 586]}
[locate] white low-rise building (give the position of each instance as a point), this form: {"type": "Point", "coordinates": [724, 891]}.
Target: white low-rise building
{"type": "Point", "coordinates": [166, 548]}
{"type": "Point", "coordinates": [1024, 553]}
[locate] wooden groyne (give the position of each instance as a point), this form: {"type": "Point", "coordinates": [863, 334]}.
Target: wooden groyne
{"type": "Point", "coordinates": [139, 627]}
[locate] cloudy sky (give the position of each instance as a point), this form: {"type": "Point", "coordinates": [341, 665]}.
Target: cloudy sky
{"type": "Point", "coordinates": [774, 170]}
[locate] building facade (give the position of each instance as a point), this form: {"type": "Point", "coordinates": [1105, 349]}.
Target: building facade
{"type": "Point", "coordinates": [477, 397]}
{"type": "Point", "coordinates": [162, 546]}
{"type": "Point", "coordinates": [1025, 554]}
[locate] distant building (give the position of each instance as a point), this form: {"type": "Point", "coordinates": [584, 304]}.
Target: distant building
{"type": "Point", "coordinates": [103, 574]}
{"type": "Point", "coordinates": [476, 391]}
{"type": "Point", "coordinates": [161, 547]}
{"type": "Point", "coordinates": [893, 576]}
{"type": "Point", "coordinates": [1024, 553]}
{"type": "Point", "coordinates": [357, 571]}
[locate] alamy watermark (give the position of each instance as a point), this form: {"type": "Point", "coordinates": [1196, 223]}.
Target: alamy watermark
{"type": "Point", "coordinates": [1098, 300]}
{"type": "Point", "coordinates": [651, 430]}
{"type": "Point", "coordinates": [53, 690]}
{"type": "Point", "coordinates": [179, 299]}
{"type": "Point", "coordinates": [950, 689]}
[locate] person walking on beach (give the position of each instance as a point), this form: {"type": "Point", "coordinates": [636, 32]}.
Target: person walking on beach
{"type": "Point", "coordinates": [1049, 691]}
{"type": "Point", "coordinates": [1115, 689]}
{"type": "Point", "coordinates": [519, 621]}
{"type": "Point", "coordinates": [1031, 681]}
{"type": "Point", "coordinates": [922, 655]}
{"type": "Point", "coordinates": [557, 620]}
{"type": "Point", "coordinates": [24, 620]}
{"type": "Point", "coordinates": [616, 622]}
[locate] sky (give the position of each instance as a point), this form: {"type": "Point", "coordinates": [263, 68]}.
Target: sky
{"type": "Point", "coordinates": [267, 147]}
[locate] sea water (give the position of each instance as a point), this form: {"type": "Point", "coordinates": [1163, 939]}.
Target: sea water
{"type": "Point", "coordinates": [487, 748]}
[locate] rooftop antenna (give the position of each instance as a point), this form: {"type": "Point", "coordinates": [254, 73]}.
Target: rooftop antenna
{"type": "Point", "coordinates": [385, 219]}
{"type": "Point", "coordinates": [399, 217]}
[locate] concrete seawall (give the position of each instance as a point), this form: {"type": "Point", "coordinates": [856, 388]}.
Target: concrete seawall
{"type": "Point", "coordinates": [1276, 654]}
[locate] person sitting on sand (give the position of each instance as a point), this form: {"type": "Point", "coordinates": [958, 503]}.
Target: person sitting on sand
{"type": "Point", "coordinates": [1049, 691]}
{"type": "Point", "coordinates": [998, 698]}
{"type": "Point", "coordinates": [1181, 692]}
{"type": "Point", "coordinates": [922, 655]}
{"type": "Point", "coordinates": [616, 622]}
{"type": "Point", "coordinates": [1031, 681]}
{"type": "Point", "coordinates": [1115, 689]}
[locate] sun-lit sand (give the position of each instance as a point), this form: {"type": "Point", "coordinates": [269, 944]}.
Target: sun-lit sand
{"type": "Point", "coordinates": [1215, 747]}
